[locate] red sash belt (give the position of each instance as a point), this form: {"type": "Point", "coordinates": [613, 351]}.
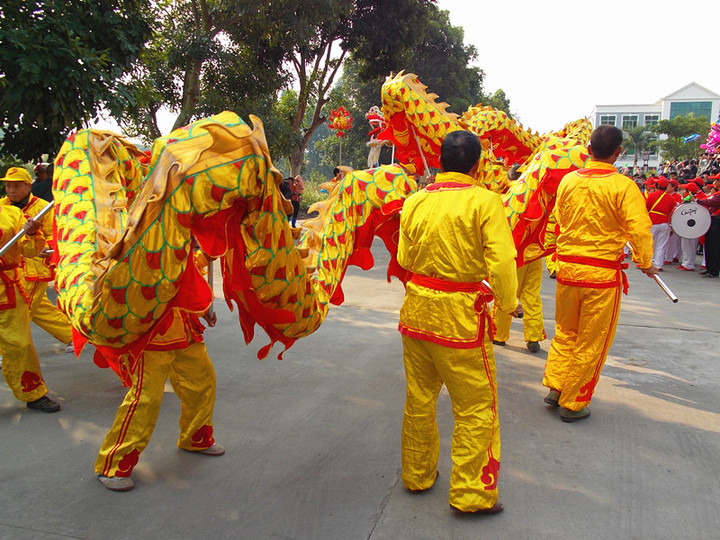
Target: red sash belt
{"type": "Point", "coordinates": [484, 296]}
{"type": "Point", "coordinates": [9, 285]}
{"type": "Point", "coordinates": [618, 265]}
{"type": "Point", "coordinates": [444, 285]}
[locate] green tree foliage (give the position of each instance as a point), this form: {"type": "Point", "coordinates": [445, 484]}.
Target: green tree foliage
{"type": "Point", "coordinates": [242, 54]}
{"type": "Point", "coordinates": [674, 147]}
{"type": "Point", "coordinates": [436, 53]}
{"type": "Point", "coordinates": [500, 101]}
{"type": "Point", "coordinates": [60, 63]}
{"type": "Point", "coordinates": [284, 139]}
{"type": "Point", "coordinates": [637, 140]}
{"type": "Point", "coordinates": [442, 61]}
{"type": "Point", "coordinates": [323, 32]}
{"type": "Point", "coordinates": [206, 56]}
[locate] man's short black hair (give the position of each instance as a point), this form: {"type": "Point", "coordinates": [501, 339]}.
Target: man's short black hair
{"type": "Point", "coordinates": [336, 171]}
{"type": "Point", "coordinates": [605, 140]}
{"type": "Point", "coordinates": [460, 151]}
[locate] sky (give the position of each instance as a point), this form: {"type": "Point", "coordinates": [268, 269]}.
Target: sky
{"type": "Point", "coordinates": [556, 60]}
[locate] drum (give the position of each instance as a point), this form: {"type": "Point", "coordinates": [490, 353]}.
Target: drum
{"type": "Point", "coordinates": [690, 220]}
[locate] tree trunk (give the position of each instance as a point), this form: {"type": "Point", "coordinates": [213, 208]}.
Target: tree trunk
{"type": "Point", "coordinates": [191, 94]}
{"type": "Point", "coordinates": [153, 130]}
{"type": "Point", "coordinates": [296, 161]}
{"type": "Point", "coordinates": [324, 80]}
{"type": "Point", "coordinates": [298, 157]}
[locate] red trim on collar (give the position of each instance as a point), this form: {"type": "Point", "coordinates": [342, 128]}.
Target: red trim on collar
{"type": "Point", "coordinates": [448, 185]}
{"type": "Point", "coordinates": [595, 172]}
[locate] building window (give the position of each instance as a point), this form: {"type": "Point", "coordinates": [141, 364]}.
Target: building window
{"type": "Point", "coordinates": [698, 108]}
{"type": "Point", "coordinates": [607, 120]}
{"type": "Point", "coordinates": [652, 119]}
{"type": "Point", "coordinates": [629, 121]}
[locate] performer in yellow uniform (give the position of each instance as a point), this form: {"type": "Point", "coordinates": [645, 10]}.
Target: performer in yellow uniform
{"type": "Point", "coordinates": [598, 211]}
{"type": "Point", "coordinates": [177, 353]}
{"type": "Point", "coordinates": [529, 279]}
{"type": "Point", "coordinates": [37, 271]}
{"type": "Point", "coordinates": [550, 263]}
{"type": "Point", "coordinates": [21, 367]}
{"type": "Point", "coordinates": [454, 234]}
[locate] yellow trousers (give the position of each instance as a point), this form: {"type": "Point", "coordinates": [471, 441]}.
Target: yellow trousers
{"type": "Point", "coordinates": [192, 376]}
{"type": "Point", "coordinates": [550, 263]}
{"type": "Point", "coordinates": [529, 279]}
{"type": "Point", "coordinates": [20, 364]}
{"type": "Point", "coordinates": [586, 320]}
{"type": "Point", "coordinates": [550, 240]}
{"type": "Point", "coordinates": [45, 315]}
{"type": "Point", "coordinates": [469, 375]}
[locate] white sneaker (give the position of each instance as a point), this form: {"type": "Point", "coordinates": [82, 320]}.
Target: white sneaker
{"type": "Point", "coordinates": [70, 348]}
{"type": "Point", "coordinates": [214, 450]}
{"type": "Point", "coordinates": [116, 483]}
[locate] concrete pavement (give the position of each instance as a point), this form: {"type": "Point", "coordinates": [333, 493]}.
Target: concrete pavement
{"type": "Point", "coordinates": [313, 441]}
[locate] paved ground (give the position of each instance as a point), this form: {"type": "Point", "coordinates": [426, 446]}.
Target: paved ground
{"type": "Point", "coordinates": [313, 440]}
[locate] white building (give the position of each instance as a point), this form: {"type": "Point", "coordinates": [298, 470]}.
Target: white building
{"type": "Point", "coordinates": [692, 98]}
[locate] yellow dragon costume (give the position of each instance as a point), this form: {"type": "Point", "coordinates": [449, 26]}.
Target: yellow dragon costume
{"type": "Point", "coordinates": [124, 228]}
{"type": "Point", "coordinates": [417, 126]}
{"type": "Point", "coordinates": [124, 224]}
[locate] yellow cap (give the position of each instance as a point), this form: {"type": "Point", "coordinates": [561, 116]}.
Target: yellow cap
{"type": "Point", "coordinates": [17, 174]}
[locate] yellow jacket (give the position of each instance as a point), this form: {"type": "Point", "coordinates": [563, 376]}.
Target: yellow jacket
{"type": "Point", "coordinates": [598, 211]}
{"type": "Point", "coordinates": [456, 231]}
{"type": "Point", "coordinates": [11, 221]}
{"type": "Point", "coordinates": [36, 268]}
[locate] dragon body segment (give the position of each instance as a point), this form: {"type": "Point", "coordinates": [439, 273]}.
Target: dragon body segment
{"type": "Point", "coordinates": [507, 139]}
{"type": "Point", "coordinates": [126, 227]}
{"type": "Point", "coordinates": [130, 266]}
{"type": "Point", "coordinates": [359, 207]}
{"type": "Point", "coordinates": [417, 124]}
{"type": "Point", "coordinates": [544, 159]}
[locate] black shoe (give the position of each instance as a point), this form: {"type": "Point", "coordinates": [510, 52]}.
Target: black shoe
{"type": "Point", "coordinates": [501, 343]}
{"type": "Point", "coordinates": [709, 275]}
{"type": "Point", "coordinates": [417, 491]}
{"type": "Point", "coordinates": [44, 404]}
{"type": "Point", "coordinates": [552, 276]}
{"type": "Point", "coordinates": [552, 398]}
{"type": "Point", "coordinates": [499, 507]}
{"type": "Point", "coordinates": [533, 346]}
{"type": "Point", "coordinates": [702, 272]}
{"type": "Point", "coordinates": [566, 415]}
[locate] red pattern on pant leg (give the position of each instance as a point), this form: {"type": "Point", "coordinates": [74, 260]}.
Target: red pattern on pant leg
{"type": "Point", "coordinates": [127, 463]}
{"type": "Point", "coordinates": [30, 381]}
{"type": "Point", "coordinates": [203, 437]}
{"type": "Point", "coordinates": [490, 474]}
{"type": "Point", "coordinates": [126, 422]}
{"type": "Point", "coordinates": [586, 391]}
